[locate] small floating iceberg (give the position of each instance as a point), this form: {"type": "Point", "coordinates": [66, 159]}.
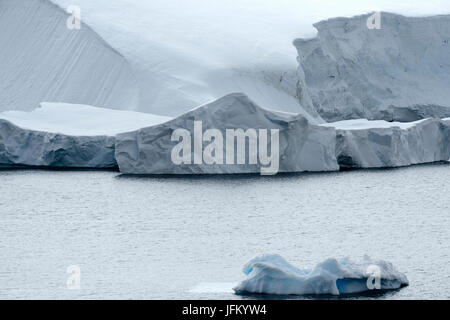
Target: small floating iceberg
{"type": "Point", "coordinates": [272, 274]}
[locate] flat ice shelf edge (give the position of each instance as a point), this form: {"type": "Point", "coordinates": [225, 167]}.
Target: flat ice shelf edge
{"type": "Point", "coordinates": [302, 146]}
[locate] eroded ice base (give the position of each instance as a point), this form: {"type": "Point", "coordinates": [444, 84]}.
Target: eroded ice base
{"type": "Point", "coordinates": [66, 135]}
{"type": "Point", "coordinates": [378, 144]}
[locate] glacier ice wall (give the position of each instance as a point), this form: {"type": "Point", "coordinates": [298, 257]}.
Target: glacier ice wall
{"type": "Point", "coordinates": [272, 274]}
{"type": "Point", "coordinates": [42, 60]}
{"type": "Point", "coordinates": [302, 146]}
{"type": "Point", "coordinates": [24, 147]}
{"type": "Point", "coordinates": [67, 135]}
{"type": "Point", "coordinates": [392, 145]}
{"type": "Point", "coordinates": [399, 72]}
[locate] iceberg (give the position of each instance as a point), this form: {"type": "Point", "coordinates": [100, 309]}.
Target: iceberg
{"type": "Point", "coordinates": [24, 147]}
{"type": "Point", "coordinates": [301, 146]}
{"type": "Point", "coordinates": [272, 274]}
{"type": "Point", "coordinates": [380, 144]}
{"type": "Point", "coordinates": [399, 72]}
{"type": "Point", "coordinates": [65, 135]}
{"type": "Point", "coordinates": [71, 135]}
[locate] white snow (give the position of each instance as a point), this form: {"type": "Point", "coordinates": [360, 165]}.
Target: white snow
{"type": "Point", "coordinates": [358, 124]}
{"type": "Point", "coordinates": [66, 135]}
{"type": "Point", "coordinates": [81, 120]}
{"type": "Point", "coordinates": [398, 72]}
{"type": "Point", "coordinates": [42, 60]}
{"type": "Point", "coordinates": [185, 53]}
{"type": "Point", "coordinates": [165, 56]}
{"type": "Point", "coordinates": [271, 274]}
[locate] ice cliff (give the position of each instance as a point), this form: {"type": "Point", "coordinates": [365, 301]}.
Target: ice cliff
{"type": "Point", "coordinates": [302, 146]}
{"type": "Point", "coordinates": [399, 72]}
{"type": "Point", "coordinates": [23, 147]}
{"type": "Point", "coordinates": [68, 135]}
{"type": "Point", "coordinates": [64, 135]}
{"type": "Point", "coordinates": [378, 144]}
{"type": "Point", "coordinates": [79, 120]}
{"type": "Point", "coordinates": [271, 274]}
{"type": "Point", "coordinates": [42, 60]}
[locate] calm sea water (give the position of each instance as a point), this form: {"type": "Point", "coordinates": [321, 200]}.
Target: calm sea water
{"type": "Point", "coordinates": [160, 237]}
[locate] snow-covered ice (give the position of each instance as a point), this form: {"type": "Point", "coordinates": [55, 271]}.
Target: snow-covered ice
{"type": "Point", "coordinates": [378, 144]}
{"type": "Point", "coordinates": [81, 120]}
{"type": "Point", "coordinates": [166, 57]}
{"type": "Point", "coordinates": [42, 60]}
{"type": "Point", "coordinates": [302, 146]}
{"type": "Point", "coordinates": [24, 147]}
{"type": "Point", "coordinates": [272, 274]}
{"type": "Point", "coordinates": [65, 135]}
{"type": "Point", "coordinates": [398, 72]}
{"type": "Point", "coordinates": [358, 124]}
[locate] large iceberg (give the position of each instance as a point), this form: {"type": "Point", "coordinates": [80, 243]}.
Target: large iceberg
{"type": "Point", "coordinates": [68, 135]}
{"type": "Point", "coordinates": [300, 146]}
{"type": "Point", "coordinates": [65, 135]}
{"type": "Point", "coordinates": [399, 71]}
{"type": "Point", "coordinates": [271, 274]}
{"type": "Point", "coordinates": [24, 147]}
{"type": "Point", "coordinates": [379, 144]}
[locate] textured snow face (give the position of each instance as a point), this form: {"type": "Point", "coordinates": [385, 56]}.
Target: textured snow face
{"type": "Point", "coordinates": [376, 146]}
{"type": "Point", "coordinates": [187, 53]}
{"type": "Point", "coordinates": [42, 60]}
{"type": "Point", "coordinates": [399, 72]}
{"type": "Point", "coordinates": [302, 146]}
{"type": "Point", "coordinates": [356, 124]}
{"type": "Point", "coordinates": [271, 274]}
{"type": "Point", "coordinates": [35, 148]}
{"type": "Point", "coordinates": [80, 120]}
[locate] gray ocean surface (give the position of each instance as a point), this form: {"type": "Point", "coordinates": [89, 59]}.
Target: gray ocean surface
{"type": "Point", "coordinates": [189, 237]}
